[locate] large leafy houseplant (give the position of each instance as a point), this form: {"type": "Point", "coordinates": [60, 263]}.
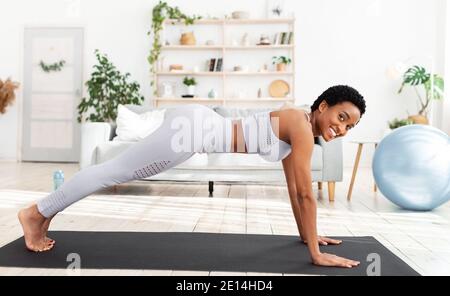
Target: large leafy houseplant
{"type": "Point", "coordinates": [432, 88]}
{"type": "Point", "coordinates": [160, 13]}
{"type": "Point", "coordinates": [107, 89]}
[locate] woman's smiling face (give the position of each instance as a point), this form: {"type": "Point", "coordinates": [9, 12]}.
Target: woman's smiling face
{"type": "Point", "coordinates": [337, 120]}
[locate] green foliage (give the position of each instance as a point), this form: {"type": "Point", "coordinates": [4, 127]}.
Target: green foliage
{"type": "Point", "coordinates": [395, 123]}
{"type": "Point", "coordinates": [52, 67]}
{"type": "Point", "coordinates": [160, 13]}
{"type": "Point", "coordinates": [189, 81]}
{"type": "Point", "coordinates": [417, 75]}
{"type": "Point", "coordinates": [107, 89]}
{"type": "Point", "coordinates": [281, 60]}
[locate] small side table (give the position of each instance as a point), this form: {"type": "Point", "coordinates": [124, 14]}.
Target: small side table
{"type": "Point", "coordinates": [355, 166]}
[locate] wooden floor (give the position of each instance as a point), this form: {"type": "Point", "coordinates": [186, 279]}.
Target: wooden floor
{"type": "Point", "coordinates": [421, 239]}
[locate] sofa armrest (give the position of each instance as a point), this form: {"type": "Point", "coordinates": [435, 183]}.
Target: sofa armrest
{"type": "Point", "coordinates": [92, 134]}
{"type": "Point", "coordinates": [332, 157]}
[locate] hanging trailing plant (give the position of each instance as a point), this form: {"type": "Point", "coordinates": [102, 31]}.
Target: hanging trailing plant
{"type": "Point", "coordinates": [52, 67]}
{"type": "Point", "coordinates": [160, 13]}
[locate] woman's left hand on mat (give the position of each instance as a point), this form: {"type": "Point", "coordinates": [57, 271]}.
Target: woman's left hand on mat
{"type": "Point", "coordinates": [323, 241]}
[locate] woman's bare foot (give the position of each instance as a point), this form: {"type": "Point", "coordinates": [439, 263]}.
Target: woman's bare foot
{"type": "Point", "coordinates": [45, 227]}
{"type": "Point", "coordinates": [33, 225]}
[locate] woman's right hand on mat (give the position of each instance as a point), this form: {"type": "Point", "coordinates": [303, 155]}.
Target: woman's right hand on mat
{"type": "Point", "coordinates": [324, 259]}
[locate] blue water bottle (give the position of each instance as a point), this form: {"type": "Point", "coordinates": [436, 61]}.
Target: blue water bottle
{"type": "Point", "coordinates": [58, 179]}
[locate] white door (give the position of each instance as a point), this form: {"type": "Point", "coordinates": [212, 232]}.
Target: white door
{"type": "Point", "coordinates": [53, 59]}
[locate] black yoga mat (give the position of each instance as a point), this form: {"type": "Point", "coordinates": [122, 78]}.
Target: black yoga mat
{"type": "Point", "coordinates": [201, 251]}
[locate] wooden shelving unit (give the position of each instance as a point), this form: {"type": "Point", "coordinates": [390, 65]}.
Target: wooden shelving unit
{"type": "Point", "coordinates": [223, 50]}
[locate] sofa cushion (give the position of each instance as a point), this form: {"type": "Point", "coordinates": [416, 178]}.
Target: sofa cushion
{"type": "Point", "coordinates": [134, 127]}
{"type": "Point", "coordinates": [316, 159]}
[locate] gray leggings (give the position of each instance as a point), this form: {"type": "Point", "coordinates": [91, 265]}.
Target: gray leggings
{"type": "Point", "coordinates": [186, 130]}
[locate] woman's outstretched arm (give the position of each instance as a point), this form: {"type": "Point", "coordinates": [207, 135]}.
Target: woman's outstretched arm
{"type": "Point", "coordinates": [302, 143]}
{"type": "Point", "coordinates": [293, 196]}
{"type": "Point", "coordinates": [288, 169]}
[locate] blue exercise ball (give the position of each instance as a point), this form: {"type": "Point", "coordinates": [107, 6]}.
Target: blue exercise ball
{"type": "Point", "coordinates": [411, 167]}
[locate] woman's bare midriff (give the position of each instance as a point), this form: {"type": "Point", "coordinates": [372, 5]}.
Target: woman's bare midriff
{"type": "Point", "coordinates": [279, 122]}
{"type": "Point", "coordinates": [237, 139]}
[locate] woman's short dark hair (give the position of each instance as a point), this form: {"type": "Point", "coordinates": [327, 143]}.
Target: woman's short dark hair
{"type": "Point", "coordinates": [338, 94]}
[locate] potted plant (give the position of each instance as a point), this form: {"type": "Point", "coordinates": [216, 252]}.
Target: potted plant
{"type": "Point", "coordinates": [431, 89]}
{"type": "Point", "coordinates": [107, 89]}
{"type": "Point", "coordinates": [281, 62]}
{"type": "Point", "coordinates": [190, 83]}
{"type": "Point", "coordinates": [396, 123]}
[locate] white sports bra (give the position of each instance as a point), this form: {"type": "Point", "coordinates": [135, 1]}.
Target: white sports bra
{"type": "Point", "coordinates": [260, 137]}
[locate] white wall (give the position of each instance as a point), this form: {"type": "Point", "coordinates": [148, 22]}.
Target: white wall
{"type": "Point", "coordinates": [339, 42]}
{"type": "Point", "coordinates": [445, 104]}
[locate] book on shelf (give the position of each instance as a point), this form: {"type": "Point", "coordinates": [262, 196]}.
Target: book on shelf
{"type": "Point", "coordinates": [212, 65]}
{"type": "Point", "coordinates": [290, 38]}
{"type": "Point", "coordinates": [219, 65]}
{"type": "Point", "coordinates": [215, 65]}
{"type": "Point", "coordinates": [283, 38]}
{"type": "Point", "coordinates": [277, 39]}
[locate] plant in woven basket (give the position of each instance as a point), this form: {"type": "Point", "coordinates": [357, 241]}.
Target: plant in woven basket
{"type": "Point", "coordinates": [281, 62]}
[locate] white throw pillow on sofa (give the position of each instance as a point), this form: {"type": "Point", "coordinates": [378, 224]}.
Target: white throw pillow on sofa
{"type": "Point", "coordinates": [134, 127]}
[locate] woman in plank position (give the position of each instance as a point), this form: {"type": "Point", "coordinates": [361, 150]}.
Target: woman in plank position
{"type": "Point", "coordinates": [286, 134]}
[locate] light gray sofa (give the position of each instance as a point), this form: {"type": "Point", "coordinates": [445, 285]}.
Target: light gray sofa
{"type": "Point", "coordinates": [326, 164]}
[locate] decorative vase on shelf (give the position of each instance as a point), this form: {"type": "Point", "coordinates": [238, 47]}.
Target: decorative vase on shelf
{"type": "Point", "coordinates": [187, 38]}
{"type": "Point", "coordinates": [281, 67]}
{"type": "Point", "coordinates": [161, 63]}
{"type": "Point", "coordinates": [167, 90]}
{"type": "Point", "coordinates": [191, 90]}
{"type": "Point", "coordinates": [212, 94]}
